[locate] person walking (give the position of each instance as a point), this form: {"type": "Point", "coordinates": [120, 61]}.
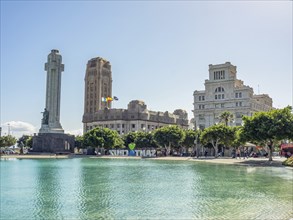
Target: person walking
{"type": "Point", "coordinates": [245, 155]}
{"type": "Point", "coordinates": [238, 154]}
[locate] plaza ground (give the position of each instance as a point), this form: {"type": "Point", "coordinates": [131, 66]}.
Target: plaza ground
{"type": "Point", "coordinates": [277, 161]}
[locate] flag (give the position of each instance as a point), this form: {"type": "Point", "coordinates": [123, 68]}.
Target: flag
{"type": "Point", "coordinates": [115, 98]}
{"type": "Point", "coordinates": [109, 99]}
{"type": "Point", "coordinates": [104, 99]}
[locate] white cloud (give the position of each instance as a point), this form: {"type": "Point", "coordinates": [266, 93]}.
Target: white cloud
{"type": "Point", "coordinates": [18, 128]}
{"type": "Point", "coordinates": [75, 132]}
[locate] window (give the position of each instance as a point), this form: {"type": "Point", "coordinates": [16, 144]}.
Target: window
{"type": "Point", "coordinates": [122, 125]}
{"type": "Point", "coordinates": [222, 105]}
{"type": "Point", "coordinates": [118, 125]}
{"type": "Point", "coordinates": [112, 125]}
{"type": "Point", "coordinates": [133, 125]}
{"type": "Point", "coordinates": [142, 125]}
{"type": "Point", "coordinates": [238, 95]}
{"type": "Point", "coordinates": [201, 106]}
{"type": "Point", "coordinates": [238, 115]}
{"type": "Point", "coordinates": [219, 74]}
{"type": "Point", "coordinates": [223, 96]}
{"type": "Point", "coordinates": [216, 96]}
{"type": "Point", "coordinates": [201, 98]}
{"type": "Point", "coordinates": [238, 104]}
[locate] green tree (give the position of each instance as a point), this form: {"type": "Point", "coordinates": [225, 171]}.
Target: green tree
{"type": "Point", "coordinates": [169, 136]}
{"type": "Point", "coordinates": [22, 142]}
{"type": "Point", "coordinates": [191, 139]}
{"type": "Point", "coordinates": [269, 127]}
{"type": "Point", "coordinates": [79, 142]}
{"type": "Point", "coordinates": [29, 142]}
{"type": "Point", "coordinates": [239, 139]}
{"type": "Point", "coordinates": [102, 137]}
{"type": "Point", "coordinates": [129, 138]}
{"type": "Point", "coordinates": [216, 135]}
{"type": "Point", "coordinates": [226, 117]}
{"type": "Point", "coordinates": [144, 140]}
{"type": "Point", "coordinates": [7, 141]}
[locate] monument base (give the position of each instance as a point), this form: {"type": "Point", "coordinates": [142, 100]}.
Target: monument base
{"type": "Point", "coordinates": [53, 143]}
{"type": "Point", "coordinates": [47, 129]}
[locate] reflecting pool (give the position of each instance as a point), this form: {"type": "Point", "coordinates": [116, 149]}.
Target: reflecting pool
{"type": "Point", "coordinates": [85, 188]}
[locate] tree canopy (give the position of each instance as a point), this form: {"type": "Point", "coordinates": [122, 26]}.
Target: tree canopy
{"type": "Point", "coordinates": [218, 134]}
{"type": "Point", "coordinates": [144, 140]}
{"type": "Point", "coordinates": [7, 141]}
{"type": "Point", "coordinates": [269, 127]}
{"type": "Point", "coordinates": [189, 138]}
{"type": "Point", "coordinates": [169, 136]}
{"type": "Point", "coordinates": [102, 137]}
{"type": "Point", "coordinates": [226, 117]}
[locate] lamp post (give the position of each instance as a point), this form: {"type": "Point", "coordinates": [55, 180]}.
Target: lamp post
{"type": "Point", "coordinates": [8, 128]}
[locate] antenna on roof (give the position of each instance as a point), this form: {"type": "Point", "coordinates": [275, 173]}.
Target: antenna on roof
{"type": "Point", "coordinates": [258, 89]}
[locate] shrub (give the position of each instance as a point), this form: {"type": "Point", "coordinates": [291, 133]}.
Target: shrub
{"type": "Point", "coordinates": [288, 162]}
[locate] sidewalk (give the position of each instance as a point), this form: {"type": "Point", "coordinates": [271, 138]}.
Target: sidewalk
{"type": "Point", "coordinates": [277, 161]}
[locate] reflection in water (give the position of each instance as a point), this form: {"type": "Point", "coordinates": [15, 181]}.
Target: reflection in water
{"type": "Point", "coordinates": [142, 189]}
{"type": "Point", "coordinates": [95, 193]}
{"type": "Point", "coordinates": [47, 190]}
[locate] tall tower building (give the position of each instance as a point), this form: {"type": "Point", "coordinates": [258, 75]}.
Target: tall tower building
{"type": "Point", "coordinates": [98, 84]}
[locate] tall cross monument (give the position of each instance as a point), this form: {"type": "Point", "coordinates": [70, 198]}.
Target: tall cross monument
{"type": "Point", "coordinates": [51, 114]}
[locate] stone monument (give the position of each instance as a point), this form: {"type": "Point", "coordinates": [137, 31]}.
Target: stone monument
{"type": "Point", "coordinates": [51, 137]}
{"type": "Point", "coordinates": [51, 114]}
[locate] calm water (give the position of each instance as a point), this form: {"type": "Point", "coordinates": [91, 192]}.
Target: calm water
{"type": "Point", "coordinates": [142, 189]}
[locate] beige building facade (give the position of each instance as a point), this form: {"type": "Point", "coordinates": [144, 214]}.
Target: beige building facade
{"type": "Point", "coordinates": [97, 113]}
{"type": "Point", "coordinates": [224, 92]}
{"type": "Point", "coordinates": [135, 118]}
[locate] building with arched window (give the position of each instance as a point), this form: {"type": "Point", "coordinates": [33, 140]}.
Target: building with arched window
{"type": "Point", "coordinates": [224, 92]}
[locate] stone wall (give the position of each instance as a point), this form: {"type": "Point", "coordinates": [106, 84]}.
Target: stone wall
{"type": "Point", "coordinates": [53, 143]}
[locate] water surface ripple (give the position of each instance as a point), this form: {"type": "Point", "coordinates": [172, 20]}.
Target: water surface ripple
{"type": "Point", "coordinates": [142, 189]}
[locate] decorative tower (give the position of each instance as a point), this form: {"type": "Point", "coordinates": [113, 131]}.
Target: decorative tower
{"type": "Point", "coordinates": [51, 114]}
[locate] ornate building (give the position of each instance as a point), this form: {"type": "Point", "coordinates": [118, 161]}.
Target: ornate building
{"type": "Point", "coordinates": [98, 84]}
{"type": "Point", "coordinates": [224, 92]}
{"type": "Point", "coordinates": [135, 118]}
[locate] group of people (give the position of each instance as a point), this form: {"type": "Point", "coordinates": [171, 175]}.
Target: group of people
{"type": "Point", "coordinates": [238, 153]}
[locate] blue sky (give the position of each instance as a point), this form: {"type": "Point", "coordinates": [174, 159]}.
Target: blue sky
{"type": "Point", "coordinates": [159, 52]}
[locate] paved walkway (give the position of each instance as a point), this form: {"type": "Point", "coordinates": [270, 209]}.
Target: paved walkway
{"type": "Point", "coordinates": [277, 161]}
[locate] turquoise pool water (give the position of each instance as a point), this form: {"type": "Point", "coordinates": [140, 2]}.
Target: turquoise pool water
{"type": "Point", "coordinates": [87, 188]}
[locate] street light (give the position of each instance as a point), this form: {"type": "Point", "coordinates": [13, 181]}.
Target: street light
{"type": "Point", "coordinates": [8, 129]}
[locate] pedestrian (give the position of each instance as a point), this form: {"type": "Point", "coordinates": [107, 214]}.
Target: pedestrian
{"type": "Point", "coordinates": [233, 153]}
{"type": "Point", "coordinates": [245, 155]}
{"type": "Point", "coordinates": [205, 153]}
{"type": "Point", "coordinates": [238, 153]}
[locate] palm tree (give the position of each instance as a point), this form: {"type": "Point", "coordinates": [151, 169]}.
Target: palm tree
{"type": "Point", "coordinates": [226, 117]}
